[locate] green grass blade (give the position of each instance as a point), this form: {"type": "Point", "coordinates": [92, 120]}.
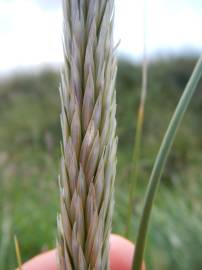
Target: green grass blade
{"type": "Point", "coordinates": [5, 237]}
{"type": "Point", "coordinates": [161, 160]}
{"type": "Point", "coordinates": [18, 254]}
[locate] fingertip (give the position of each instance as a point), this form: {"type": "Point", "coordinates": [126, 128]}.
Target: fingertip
{"type": "Point", "coordinates": [46, 261]}
{"type": "Point", "coordinates": [121, 256]}
{"type": "Point", "coordinates": [121, 253]}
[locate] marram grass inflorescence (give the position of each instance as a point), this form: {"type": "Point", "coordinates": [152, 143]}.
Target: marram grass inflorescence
{"type": "Point", "coordinates": [89, 142]}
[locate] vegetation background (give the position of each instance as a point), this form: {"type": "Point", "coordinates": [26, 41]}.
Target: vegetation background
{"type": "Point", "coordinates": [29, 163]}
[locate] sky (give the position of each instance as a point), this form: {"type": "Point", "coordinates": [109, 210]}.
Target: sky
{"type": "Point", "coordinates": [30, 30]}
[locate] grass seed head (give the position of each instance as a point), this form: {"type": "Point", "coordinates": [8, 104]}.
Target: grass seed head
{"type": "Point", "coordinates": [88, 161]}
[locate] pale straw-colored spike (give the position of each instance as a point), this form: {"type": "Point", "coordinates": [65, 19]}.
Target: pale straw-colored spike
{"type": "Point", "coordinates": [88, 161]}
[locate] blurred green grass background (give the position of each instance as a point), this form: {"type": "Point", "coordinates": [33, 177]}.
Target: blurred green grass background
{"type": "Point", "coordinates": [29, 163]}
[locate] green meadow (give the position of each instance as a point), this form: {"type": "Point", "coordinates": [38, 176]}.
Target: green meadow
{"type": "Point", "coordinates": [30, 153]}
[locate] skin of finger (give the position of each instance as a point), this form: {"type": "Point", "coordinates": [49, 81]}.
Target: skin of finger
{"type": "Point", "coordinates": [121, 255]}
{"type": "Point", "coordinates": [45, 261]}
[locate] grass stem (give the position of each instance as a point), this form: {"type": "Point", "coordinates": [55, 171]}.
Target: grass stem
{"type": "Point", "coordinates": [138, 134]}
{"type": "Point", "coordinates": [161, 160]}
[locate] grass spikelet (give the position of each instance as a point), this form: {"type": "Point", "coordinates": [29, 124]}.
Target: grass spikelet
{"type": "Point", "coordinates": [88, 161]}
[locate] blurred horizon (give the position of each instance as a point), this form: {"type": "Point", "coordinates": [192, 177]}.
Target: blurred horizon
{"type": "Point", "coordinates": [30, 31]}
